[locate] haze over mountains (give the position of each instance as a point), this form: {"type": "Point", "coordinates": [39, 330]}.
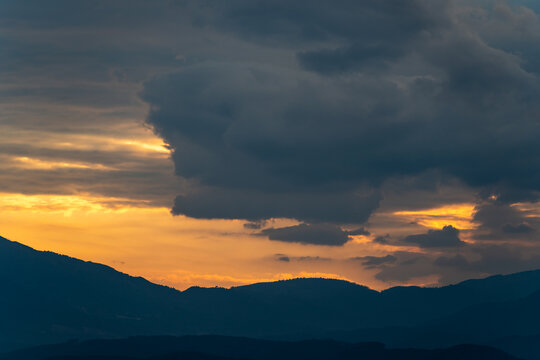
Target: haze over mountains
{"type": "Point", "coordinates": [48, 298]}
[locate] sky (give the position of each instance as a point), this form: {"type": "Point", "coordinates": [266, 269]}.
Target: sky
{"type": "Point", "coordinates": [222, 143]}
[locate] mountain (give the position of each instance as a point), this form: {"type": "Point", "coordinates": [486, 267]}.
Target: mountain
{"type": "Point", "coordinates": [219, 347]}
{"type": "Point", "coordinates": [49, 298]}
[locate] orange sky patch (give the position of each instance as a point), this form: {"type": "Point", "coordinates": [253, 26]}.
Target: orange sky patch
{"type": "Point", "coordinates": [458, 215]}
{"type": "Point", "coordinates": [144, 240]}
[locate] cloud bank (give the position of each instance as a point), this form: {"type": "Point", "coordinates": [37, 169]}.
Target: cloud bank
{"type": "Point", "coordinates": [328, 103]}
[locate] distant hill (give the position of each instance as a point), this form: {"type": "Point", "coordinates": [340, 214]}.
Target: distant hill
{"type": "Point", "coordinates": [217, 347]}
{"type": "Point", "coordinates": [49, 298]}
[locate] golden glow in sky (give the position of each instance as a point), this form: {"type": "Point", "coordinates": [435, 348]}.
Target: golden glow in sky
{"type": "Point", "coordinates": [31, 163]}
{"type": "Point", "coordinates": [145, 241]}
{"type": "Point", "coordinates": [458, 215]}
{"type": "Point", "coordinates": [148, 241]}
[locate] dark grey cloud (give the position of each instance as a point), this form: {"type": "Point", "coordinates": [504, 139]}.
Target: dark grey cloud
{"type": "Point", "coordinates": [373, 261]}
{"type": "Point", "coordinates": [256, 205]}
{"type": "Point", "coordinates": [286, 258]}
{"type": "Point", "coordinates": [395, 86]}
{"type": "Point", "coordinates": [312, 258]}
{"type": "Point", "coordinates": [457, 260]}
{"type": "Point", "coordinates": [504, 259]}
{"type": "Point", "coordinates": [498, 220]}
{"type": "Point", "coordinates": [383, 240]}
{"type": "Point", "coordinates": [316, 140]}
{"type": "Point", "coordinates": [282, 257]}
{"type": "Point", "coordinates": [136, 183]}
{"type": "Point", "coordinates": [351, 58]}
{"type": "Point", "coordinates": [492, 259]}
{"type": "Point", "coordinates": [313, 234]}
{"type": "Point", "coordinates": [521, 228]}
{"type": "Point", "coordinates": [359, 231]}
{"type": "Point", "coordinates": [255, 225]}
{"type": "Point", "coordinates": [309, 234]}
{"type": "Point", "coordinates": [406, 266]}
{"type": "Point", "coordinates": [71, 70]}
{"type": "Point", "coordinates": [284, 23]}
{"type": "Point", "coordinates": [473, 261]}
{"type": "Point", "coordinates": [448, 236]}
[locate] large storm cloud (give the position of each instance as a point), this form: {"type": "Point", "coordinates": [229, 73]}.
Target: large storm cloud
{"type": "Point", "coordinates": [326, 103]}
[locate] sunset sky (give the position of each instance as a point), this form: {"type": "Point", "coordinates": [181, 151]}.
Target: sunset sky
{"type": "Point", "coordinates": [221, 143]}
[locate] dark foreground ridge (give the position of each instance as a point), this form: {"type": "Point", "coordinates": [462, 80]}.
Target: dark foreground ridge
{"type": "Point", "coordinates": [217, 347]}
{"type": "Point", "coordinates": [50, 298]}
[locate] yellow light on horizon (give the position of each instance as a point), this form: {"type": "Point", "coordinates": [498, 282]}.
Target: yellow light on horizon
{"type": "Point", "coordinates": [205, 279]}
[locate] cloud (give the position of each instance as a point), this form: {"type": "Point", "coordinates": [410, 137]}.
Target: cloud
{"type": "Point", "coordinates": [447, 237]}
{"type": "Point", "coordinates": [498, 220]}
{"type": "Point", "coordinates": [313, 234]}
{"type": "Point", "coordinates": [345, 59]}
{"type": "Point", "coordinates": [281, 22]}
{"type": "Point", "coordinates": [309, 234]}
{"type": "Point", "coordinates": [407, 266]}
{"type": "Point", "coordinates": [312, 258]}
{"type": "Point", "coordinates": [473, 261]}
{"type": "Point", "coordinates": [253, 205]}
{"type": "Point", "coordinates": [286, 258]}
{"type": "Point", "coordinates": [359, 231]}
{"type": "Point", "coordinates": [282, 257]}
{"type": "Point", "coordinates": [373, 261]}
{"type": "Point", "coordinates": [255, 225]}
{"type": "Point", "coordinates": [457, 260]}
{"type": "Point", "coordinates": [236, 156]}
{"type": "Point", "coordinates": [521, 228]}
{"type": "Point", "coordinates": [492, 259]}
{"type": "Point", "coordinates": [256, 137]}
{"type": "Point", "coordinates": [383, 240]}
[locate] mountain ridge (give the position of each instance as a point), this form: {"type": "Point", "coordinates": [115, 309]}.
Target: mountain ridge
{"type": "Point", "coordinates": [49, 298]}
{"type": "Point", "coordinates": [277, 282]}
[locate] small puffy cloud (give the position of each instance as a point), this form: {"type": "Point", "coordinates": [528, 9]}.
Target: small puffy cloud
{"type": "Point", "coordinates": [309, 234]}
{"type": "Point", "coordinates": [287, 258]}
{"type": "Point", "coordinates": [282, 257]}
{"type": "Point", "coordinates": [373, 261]}
{"type": "Point", "coordinates": [383, 240]}
{"type": "Point", "coordinates": [447, 237]}
{"type": "Point", "coordinates": [255, 225]}
{"type": "Point", "coordinates": [407, 266]}
{"type": "Point", "coordinates": [360, 231]}
{"type": "Point", "coordinates": [313, 234]}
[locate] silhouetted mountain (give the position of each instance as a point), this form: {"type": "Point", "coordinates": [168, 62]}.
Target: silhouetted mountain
{"type": "Point", "coordinates": [526, 347]}
{"type": "Point", "coordinates": [483, 323]}
{"type": "Point", "coordinates": [218, 347]}
{"type": "Point", "coordinates": [49, 298]}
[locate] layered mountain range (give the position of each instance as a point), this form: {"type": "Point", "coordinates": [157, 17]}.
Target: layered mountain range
{"type": "Point", "coordinates": [51, 298]}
